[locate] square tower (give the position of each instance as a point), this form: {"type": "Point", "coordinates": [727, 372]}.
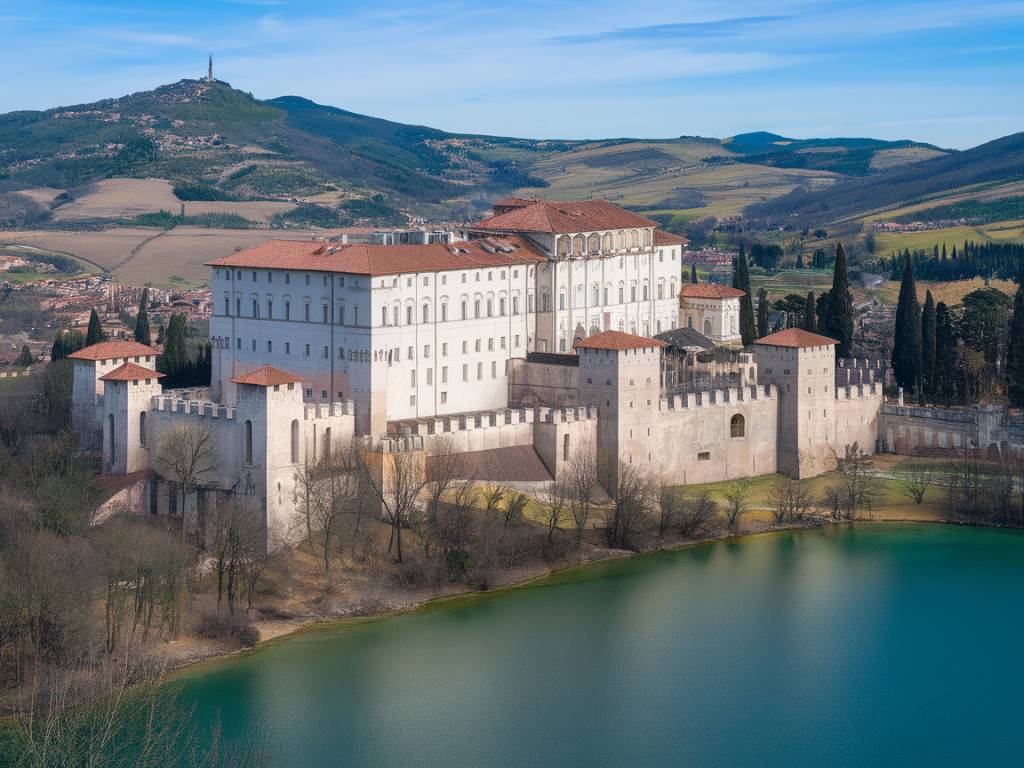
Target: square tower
{"type": "Point", "coordinates": [128, 392]}
{"type": "Point", "coordinates": [802, 365]}
{"type": "Point", "coordinates": [621, 375]}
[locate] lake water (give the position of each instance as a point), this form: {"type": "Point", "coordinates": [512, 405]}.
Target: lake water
{"type": "Point", "coordinates": [867, 646]}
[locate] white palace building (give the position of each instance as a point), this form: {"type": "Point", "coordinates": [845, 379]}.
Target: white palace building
{"type": "Point", "coordinates": [315, 344]}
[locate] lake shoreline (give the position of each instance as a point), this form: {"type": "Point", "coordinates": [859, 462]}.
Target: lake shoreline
{"type": "Point", "coordinates": [285, 630]}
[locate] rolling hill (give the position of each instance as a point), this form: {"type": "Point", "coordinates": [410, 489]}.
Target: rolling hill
{"type": "Point", "coordinates": [325, 166]}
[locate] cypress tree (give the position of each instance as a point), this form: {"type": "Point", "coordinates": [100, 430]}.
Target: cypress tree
{"type": "Point", "coordinates": [945, 353]}
{"type": "Point", "coordinates": [24, 359]}
{"type": "Point", "coordinates": [799, 261]}
{"type": "Point", "coordinates": [95, 333]}
{"type": "Point", "coordinates": [142, 320]}
{"type": "Point", "coordinates": [741, 280]}
{"type": "Point", "coordinates": [839, 307]}
{"type": "Point", "coordinates": [762, 313]}
{"type": "Point", "coordinates": [160, 333]}
{"type": "Point", "coordinates": [928, 344]}
{"type": "Point", "coordinates": [906, 350]}
{"type": "Point", "coordinates": [810, 310]}
{"type": "Point", "coordinates": [175, 361]}
{"type": "Point", "coordinates": [1015, 353]}
{"type": "Point", "coordinates": [693, 273]}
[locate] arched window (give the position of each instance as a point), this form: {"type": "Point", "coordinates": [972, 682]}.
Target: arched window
{"type": "Point", "coordinates": [594, 243]}
{"type": "Point", "coordinates": [577, 245]}
{"type": "Point", "coordinates": [689, 321]}
{"type": "Point", "coordinates": [563, 246]}
{"type": "Point", "coordinates": [606, 241]}
{"type": "Point", "coordinates": [634, 239]}
{"type": "Point", "coordinates": [142, 429]}
{"type": "Point", "coordinates": [247, 452]}
{"type": "Point", "coordinates": [736, 426]}
{"type": "Point", "coordinates": [383, 315]}
{"type": "Point", "coordinates": [707, 328]}
{"type": "Point", "coordinates": [426, 313]}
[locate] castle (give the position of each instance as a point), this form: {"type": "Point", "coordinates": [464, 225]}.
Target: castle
{"type": "Point", "coordinates": [530, 333]}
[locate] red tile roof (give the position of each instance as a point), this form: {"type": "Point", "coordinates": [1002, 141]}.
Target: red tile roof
{"type": "Point", "coordinates": [564, 216]}
{"type": "Point", "coordinates": [661, 237]}
{"type": "Point", "coordinates": [796, 337]}
{"type": "Point", "coordinates": [358, 259]}
{"type": "Point", "coordinates": [108, 350]}
{"type": "Point", "coordinates": [709, 291]}
{"type": "Point", "coordinates": [267, 376]}
{"type": "Point", "coordinates": [131, 372]}
{"type": "Point", "coordinates": [617, 340]}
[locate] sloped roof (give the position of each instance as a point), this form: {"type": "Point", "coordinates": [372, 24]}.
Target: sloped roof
{"type": "Point", "coordinates": [267, 376]}
{"type": "Point", "coordinates": [686, 337]}
{"type": "Point", "coordinates": [564, 216]}
{"type": "Point", "coordinates": [363, 259]}
{"type": "Point", "coordinates": [131, 372]}
{"type": "Point", "coordinates": [617, 340]}
{"type": "Point", "coordinates": [108, 350]}
{"type": "Point", "coordinates": [796, 337]}
{"type": "Point", "coordinates": [709, 291]}
{"type": "Point", "coordinates": [661, 237]}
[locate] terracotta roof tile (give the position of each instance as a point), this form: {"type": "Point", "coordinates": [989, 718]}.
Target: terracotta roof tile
{"type": "Point", "coordinates": [360, 259]}
{"type": "Point", "coordinates": [661, 237]}
{"type": "Point", "coordinates": [563, 216]}
{"type": "Point", "coordinates": [617, 340]}
{"type": "Point", "coordinates": [131, 372]}
{"type": "Point", "coordinates": [709, 291]}
{"type": "Point", "coordinates": [109, 350]}
{"type": "Point", "coordinates": [796, 337]}
{"type": "Point", "coordinates": [267, 376]}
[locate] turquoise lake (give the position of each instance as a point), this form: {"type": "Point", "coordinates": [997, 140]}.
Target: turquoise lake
{"type": "Point", "coordinates": [866, 646]}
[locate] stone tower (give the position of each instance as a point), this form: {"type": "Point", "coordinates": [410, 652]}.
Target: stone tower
{"type": "Point", "coordinates": [621, 374]}
{"type": "Point", "coordinates": [802, 365]}
{"type": "Point", "coordinates": [128, 393]}
{"type": "Point", "coordinates": [209, 71]}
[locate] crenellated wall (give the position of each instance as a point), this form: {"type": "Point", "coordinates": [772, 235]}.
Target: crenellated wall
{"type": "Point", "coordinates": [856, 417]}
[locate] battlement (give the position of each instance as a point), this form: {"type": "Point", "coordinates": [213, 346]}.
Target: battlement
{"type": "Point", "coordinates": [313, 411]}
{"type": "Point", "coordinates": [197, 408]}
{"type": "Point", "coordinates": [857, 370]}
{"type": "Point", "coordinates": [718, 397]}
{"type": "Point", "coordinates": [504, 417]}
{"type": "Point", "coordinates": [859, 391]}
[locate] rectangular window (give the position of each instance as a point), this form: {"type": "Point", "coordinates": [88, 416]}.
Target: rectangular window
{"type": "Point", "coordinates": [327, 352]}
{"type": "Point", "coordinates": [494, 369]}
{"type": "Point", "coordinates": [412, 378]}
{"type": "Point", "coordinates": [704, 456]}
{"type": "Point", "coordinates": [254, 345]}
{"type": "Point", "coordinates": [517, 341]}
{"type": "Point", "coordinates": [306, 350]}
{"type": "Point", "coordinates": [444, 374]}
{"type": "Point", "coordinates": [287, 347]}
{"type": "Point", "coordinates": [307, 309]}
{"type": "Point", "coordinates": [287, 310]}
{"type": "Point", "coordinates": [444, 349]}
{"type": "Point", "coordinates": [479, 371]}
{"type": "Point", "coordinates": [444, 397]}
{"type": "Point", "coordinates": [426, 350]}
{"type": "Point", "coordinates": [430, 377]}
{"type": "Point", "coordinates": [503, 342]}
{"type": "Point", "coordinates": [327, 317]}
{"type": "Point", "coordinates": [465, 346]}
{"type": "Point", "coordinates": [270, 346]}
{"type": "Point", "coordinates": [465, 372]}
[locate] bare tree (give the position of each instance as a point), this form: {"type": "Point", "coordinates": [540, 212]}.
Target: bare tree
{"type": "Point", "coordinates": [670, 506]}
{"type": "Point", "coordinates": [634, 497]}
{"type": "Point", "coordinates": [914, 479]}
{"type": "Point", "coordinates": [514, 508]}
{"type": "Point", "coordinates": [327, 492]}
{"type": "Point", "coordinates": [444, 466]}
{"type": "Point", "coordinates": [555, 499]}
{"type": "Point", "coordinates": [398, 492]}
{"type": "Point", "coordinates": [856, 483]}
{"type": "Point", "coordinates": [581, 478]}
{"type": "Point", "coordinates": [737, 501]}
{"type": "Point", "coordinates": [790, 500]}
{"type": "Point", "coordinates": [187, 453]}
{"type": "Point", "coordinates": [698, 516]}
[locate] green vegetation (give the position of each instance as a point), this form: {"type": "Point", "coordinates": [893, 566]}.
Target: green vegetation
{"type": "Point", "coordinates": [906, 351]}
{"type": "Point", "coordinates": [836, 321]}
{"type": "Point", "coordinates": [198, 191]}
{"type": "Point", "coordinates": [308, 215]}
{"type": "Point", "coordinates": [974, 211]}
{"type": "Point", "coordinates": [168, 220]}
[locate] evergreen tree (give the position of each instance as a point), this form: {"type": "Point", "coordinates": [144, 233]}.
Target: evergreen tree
{"type": "Point", "coordinates": [928, 344]}
{"type": "Point", "coordinates": [174, 359]}
{"type": "Point", "coordinates": [799, 261]}
{"type": "Point", "coordinates": [95, 333]}
{"type": "Point", "coordinates": [160, 333]}
{"type": "Point", "coordinates": [906, 350]}
{"type": "Point", "coordinates": [946, 355]}
{"type": "Point", "coordinates": [142, 320]}
{"type": "Point", "coordinates": [762, 313]}
{"type": "Point", "coordinates": [693, 273]}
{"type": "Point", "coordinates": [1015, 353]}
{"type": "Point", "coordinates": [810, 312]}
{"type": "Point", "coordinates": [24, 359]}
{"type": "Point", "coordinates": [741, 280]}
{"type": "Point", "coordinates": [838, 322]}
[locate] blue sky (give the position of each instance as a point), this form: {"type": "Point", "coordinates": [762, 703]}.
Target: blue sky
{"type": "Point", "coordinates": [951, 73]}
